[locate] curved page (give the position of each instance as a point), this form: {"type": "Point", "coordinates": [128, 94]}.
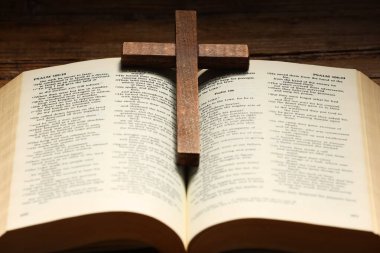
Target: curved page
{"type": "Point", "coordinates": [92, 138]}
{"type": "Point", "coordinates": [284, 142]}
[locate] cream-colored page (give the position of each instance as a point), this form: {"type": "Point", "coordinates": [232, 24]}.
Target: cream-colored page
{"type": "Point", "coordinates": [284, 142]}
{"type": "Point", "coordinates": [369, 94]}
{"type": "Point", "coordinates": [92, 138]}
{"type": "Point", "coordinates": [9, 107]}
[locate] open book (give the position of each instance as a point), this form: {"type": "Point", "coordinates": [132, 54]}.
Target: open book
{"type": "Point", "coordinates": [289, 161]}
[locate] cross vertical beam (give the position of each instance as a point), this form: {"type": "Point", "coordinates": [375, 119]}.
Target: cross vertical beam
{"type": "Point", "coordinates": [188, 140]}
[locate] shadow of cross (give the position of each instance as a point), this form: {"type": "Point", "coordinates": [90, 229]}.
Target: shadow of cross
{"type": "Point", "coordinates": [186, 56]}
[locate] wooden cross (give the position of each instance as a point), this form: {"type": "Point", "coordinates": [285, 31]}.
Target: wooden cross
{"type": "Point", "coordinates": [187, 56]}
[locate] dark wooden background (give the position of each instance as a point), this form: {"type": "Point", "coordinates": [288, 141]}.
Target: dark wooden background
{"type": "Point", "coordinates": [41, 33]}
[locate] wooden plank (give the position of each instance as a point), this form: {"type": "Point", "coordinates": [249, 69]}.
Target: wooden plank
{"type": "Point", "coordinates": [162, 55]}
{"type": "Point", "coordinates": [36, 34]}
{"type": "Point", "coordinates": [188, 139]}
{"type": "Point", "coordinates": [75, 37]}
{"type": "Point", "coordinates": [137, 8]}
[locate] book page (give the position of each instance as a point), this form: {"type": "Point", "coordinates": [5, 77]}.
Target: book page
{"type": "Point", "coordinates": [284, 142]}
{"type": "Point", "coordinates": [369, 94]}
{"type": "Point", "coordinates": [93, 138]}
{"type": "Point", "coordinates": [9, 107]}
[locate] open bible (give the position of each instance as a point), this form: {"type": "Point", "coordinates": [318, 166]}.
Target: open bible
{"type": "Point", "coordinates": [289, 161]}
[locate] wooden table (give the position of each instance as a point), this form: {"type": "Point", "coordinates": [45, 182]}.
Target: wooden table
{"type": "Point", "coordinates": [36, 34]}
{"type": "Point", "coordinates": [42, 33]}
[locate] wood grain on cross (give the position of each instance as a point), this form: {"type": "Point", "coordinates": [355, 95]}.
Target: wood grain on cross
{"type": "Point", "coordinates": [186, 56]}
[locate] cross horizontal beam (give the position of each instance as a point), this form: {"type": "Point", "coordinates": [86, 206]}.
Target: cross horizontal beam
{"type": "Point", "coordinates": [163, 55]}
